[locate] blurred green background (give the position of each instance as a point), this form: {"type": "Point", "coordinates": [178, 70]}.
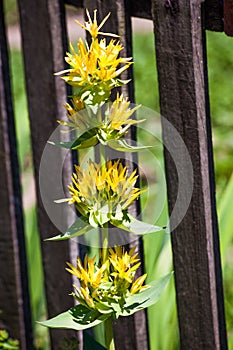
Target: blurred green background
{"type": "Point", "coordinates": [162, 317]}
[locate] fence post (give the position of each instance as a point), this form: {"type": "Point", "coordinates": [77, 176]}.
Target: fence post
{"type": "Point", "coordinates": [44, 44]}
{"type": "Point", "coordinates": [15, 313]}
{"type": "Point", "coordinates": [183, 86]}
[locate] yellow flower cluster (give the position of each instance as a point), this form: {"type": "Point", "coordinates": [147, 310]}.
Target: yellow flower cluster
{"type": "Point", "coordinates": [117, 116]}
{"type": "Point", "coordinates": [96, 64]}
{"type": "Point", "coordinates": [103, 192]}
{"type": "Point", "coordinates": [95, 69]}
{"type": "Point", "coordinates": [112, 122]}
{"type": "Point", "coordinates": [109, 283]}
{"type": "Point", "coordinates": [92, 26]}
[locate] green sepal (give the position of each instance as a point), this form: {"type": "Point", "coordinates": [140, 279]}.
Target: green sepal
{"type": "Point", "coordinates": [103, 308]}
{"type": "Point", "coordinates": [78, 318]}
{"type": "Point", "coordinates": [86, 140]}
{"type": "Point", "coordinates": [135, 226]}
{"type": "Point", "coordinates": [121, 82]}
{"type": "Point", "coordinates": [96, 94]}
{"type": "Point", "coordinates": [121, 145]}
{"type": "Point", "coordinates": [77, 229]}
{"type": "Point", "coordinates": [99, 217]}
{"type": "Point", "coordinates": [146, 298]}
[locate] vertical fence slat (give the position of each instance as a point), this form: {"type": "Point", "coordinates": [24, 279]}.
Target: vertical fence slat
{"type": "Point", "coordinates": [184, 103]}
{"type": "Point", "coordinates": [140, 8]}
{"type": "Point", "coordinates": [228, 17]}
{"type": "Point", "coordinates": [214, 15]}
{"type": "Point", "coordinates": [42, 28]}
{"type": "Point", "coordinates": [15, 313]}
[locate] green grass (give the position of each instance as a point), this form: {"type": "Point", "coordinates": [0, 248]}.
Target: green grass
{"type": "Point", "coordinates": [220, 60]}
{"type": "Point", "coordinates": [162, 317]}
{"type": "Point", "coordinates": [10, 11]}
{"type": "Point", "coordinates": [35, 270]}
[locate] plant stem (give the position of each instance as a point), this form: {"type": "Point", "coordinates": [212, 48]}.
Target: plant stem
{"type": "Point", "coordinates": [102, 148]}
{"type": "Point", "coordinates": [102, 154]}
{"type": "Point", "coordinates": [104, 229]}
{"type": "Point", "coordinates": [104, 232]}
{"type": "Point", "coordinates": [109, 337]}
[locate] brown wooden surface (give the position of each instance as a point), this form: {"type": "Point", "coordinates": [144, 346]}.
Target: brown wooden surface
{"type": "Point", "coordinates": [15, 313]}
{"type": "Point", "coordinates": [76, 3]}
{"type": "Point", "coordinates": [184, 102]}
{"type": "Point", "coordinates": [43, 37]}
{"type": "Point", "coordinates": [136, 8]}
{"type": "Point", "coordinates": [214, 15]}
{"type": "Point", "coordinates": [213, 12]}
{"type": "Point", "coordinates": [228, 17]}
{"type": "Point", "coordinates": [142, 9]}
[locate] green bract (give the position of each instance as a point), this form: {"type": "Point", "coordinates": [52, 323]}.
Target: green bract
{"type": "Point", "coordinates": [81, 317]}
{"type": "Point", "coordinates": [129, 224]}
{"type": "Point", "coordinates": [106, 124]}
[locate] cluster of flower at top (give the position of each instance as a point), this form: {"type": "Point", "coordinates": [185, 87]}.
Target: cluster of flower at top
{"type": "Point", "coordinates": [95, 67]}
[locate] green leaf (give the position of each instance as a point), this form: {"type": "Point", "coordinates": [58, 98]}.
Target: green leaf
{"type": "Point", "coordinates": [135, 226]}
{"type": "Point", "coordinates": [225, 209]}
{"type": "Point", "coordinates": [122, 146]}
{"type": "Point", "coordinates": [86, 140]}
{"type": "Point", "coordinates": [103, 308]}
{"type": "Point", "coordinates": [78, 318]}
{"type": "Point", "coordinates": [148, 297]}
{"type": "Point", "coordinates": [77, 229]}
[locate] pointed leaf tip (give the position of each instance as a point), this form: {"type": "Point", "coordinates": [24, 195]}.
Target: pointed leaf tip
{"type": "Point", "coordinates": [136, 226]}
{"type": "Point", "coordinates": [122, 146]}
{"type": "Point", "coordinates": [77, 318]}
{"type": "Point", "coordinates": [79, 228]}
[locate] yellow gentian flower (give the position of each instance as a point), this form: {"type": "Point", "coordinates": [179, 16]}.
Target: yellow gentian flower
{"type": "Point", "coordinates": [92, 27]}
{"type": "Point", "coordinates": [96, 65]}
{"type": "Point", "coordinates": [109, 282]}
{"type": "Point", "coordinates": [117, 116]}
{"type": "Point", "coordinates": [95, 69]}
{"type": "Point", "coordinates": [111, 121]}
{"type": "Point", "coordinates": [103, 192]}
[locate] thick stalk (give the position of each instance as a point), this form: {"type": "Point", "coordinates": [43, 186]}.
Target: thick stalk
{"type": "Point", "coordinates": [102, 154]}
{"type": "Point", "coordinates": [109, 337]}
{"type": "Point", "coordinates": [102, 148]}
{"type": "Point", "coordinates": [104, 233]}
{"type": "Point", "coordinates": [109, 334]}
{"type": "Point", "coordinates": [104, 230]}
